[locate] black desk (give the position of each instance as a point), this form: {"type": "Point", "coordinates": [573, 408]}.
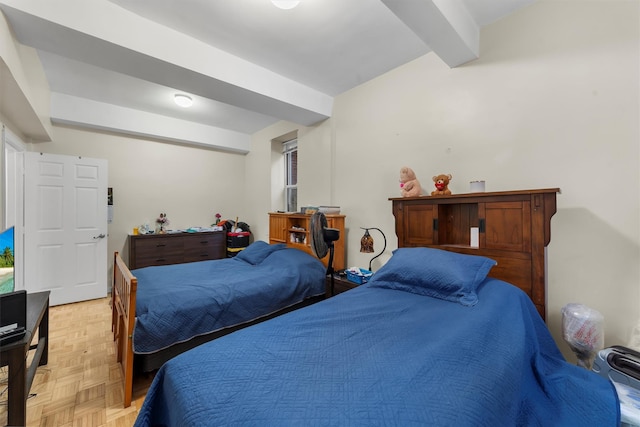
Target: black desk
{"type": "Point", "coordinates": [15, 356]}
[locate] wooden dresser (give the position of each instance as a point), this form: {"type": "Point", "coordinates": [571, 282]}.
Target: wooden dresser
{"type": "Point", "coordinates": [513, 228]}
{"type": "Point", "coordinates": [294, 229]}
{"type": "Point", "coordinates": [178, 248]}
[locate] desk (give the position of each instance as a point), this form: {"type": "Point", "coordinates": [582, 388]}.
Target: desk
{"type": "Point", "coordinates": [14, 355]}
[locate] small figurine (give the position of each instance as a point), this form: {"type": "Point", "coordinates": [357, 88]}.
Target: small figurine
{"type": "Point", "coordinates": [442, 185]}
{"type": "Point", "coordinates": [162, 221]}
{"type": "Point", "coordinates": [409, 184]}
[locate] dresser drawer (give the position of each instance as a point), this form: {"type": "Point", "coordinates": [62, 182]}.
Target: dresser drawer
{"type": "Point", "coordinates": [201, 247]}
{"type": "Point", "coordinates": [156, 250]}
{"type": "Point", "coordinates": [164, 249]}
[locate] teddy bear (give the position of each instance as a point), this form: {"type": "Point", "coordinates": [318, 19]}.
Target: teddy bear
{"type": "Point", "coordinates": [409, 184]}
{"type": "Point", "coordinates": [442, 185]}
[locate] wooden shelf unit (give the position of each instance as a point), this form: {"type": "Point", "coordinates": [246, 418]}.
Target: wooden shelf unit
{"type": "Point", "coordinates": [514, 229]}
{"type": "Point", "coordinates": [293, 229]}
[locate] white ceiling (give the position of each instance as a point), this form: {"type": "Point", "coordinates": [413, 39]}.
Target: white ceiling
{"type": "Point", "coordinates": [246, 63]}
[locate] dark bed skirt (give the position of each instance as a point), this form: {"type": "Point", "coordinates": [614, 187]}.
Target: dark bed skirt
{"type": "Point", "coordinates": [153, 361]}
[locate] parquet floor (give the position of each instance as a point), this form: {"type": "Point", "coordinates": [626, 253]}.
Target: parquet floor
{"type": "Point", "coordinates": [82, 384]}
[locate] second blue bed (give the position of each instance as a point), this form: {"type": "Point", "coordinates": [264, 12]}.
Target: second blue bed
{"type": "Point", "coordinates": [429, 341]}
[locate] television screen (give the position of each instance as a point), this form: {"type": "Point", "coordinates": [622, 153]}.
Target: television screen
{"type": "Point", "coordinates": [6, 261]}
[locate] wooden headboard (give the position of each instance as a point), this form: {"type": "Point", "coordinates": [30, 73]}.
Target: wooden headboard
{"type": "Point", "coordinates": [511, 227]}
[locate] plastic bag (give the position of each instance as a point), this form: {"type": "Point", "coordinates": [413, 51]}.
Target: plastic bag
{"type": "Point", "coordinates": [583, 330]}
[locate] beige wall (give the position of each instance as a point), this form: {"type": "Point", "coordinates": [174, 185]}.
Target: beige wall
{"type": "Point", "coordinates": [552, 102]}
{"type": "Point", "coordinates": [147, 177]}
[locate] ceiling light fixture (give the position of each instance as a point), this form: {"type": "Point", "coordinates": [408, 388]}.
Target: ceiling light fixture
{"type": "Point", "coordinates": [183, 100]}
{"type": "Point", "coordinates": [285, 4]}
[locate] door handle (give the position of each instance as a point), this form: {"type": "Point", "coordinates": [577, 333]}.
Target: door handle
{"type": "Point", "coordinates": [101, 236]}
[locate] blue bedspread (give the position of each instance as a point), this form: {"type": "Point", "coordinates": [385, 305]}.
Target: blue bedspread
{"type": "Point", "coordinates": [375, 356]}
{"type": "Point", "coordinates": [178, 302]}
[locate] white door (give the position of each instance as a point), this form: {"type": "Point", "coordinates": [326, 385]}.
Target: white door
{"type": "Point", "coordinates": [65, 227]}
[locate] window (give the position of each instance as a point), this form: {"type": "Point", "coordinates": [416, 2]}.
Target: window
{"type": "Point", "coordinates": [290, 150]}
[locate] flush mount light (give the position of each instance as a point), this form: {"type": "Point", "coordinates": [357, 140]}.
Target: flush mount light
{"type": "Point", "coordinates": [285, 4]}
{"type": "Point", "coordinates": [183, 100]}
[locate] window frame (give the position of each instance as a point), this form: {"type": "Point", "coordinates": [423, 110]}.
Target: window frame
{"type": "Point", "coordinates": [290, 155]}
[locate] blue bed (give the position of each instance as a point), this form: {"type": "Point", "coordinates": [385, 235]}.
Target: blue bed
{"type": "Point", "coordinates": [180, 306]}
{"type": "Point", "coordinates": [178, 302]}
{"type": "Point", "coordinates": [430, 340]}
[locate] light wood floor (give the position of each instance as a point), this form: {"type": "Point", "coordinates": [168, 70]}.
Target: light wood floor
{"type": "Point", "coordinates": [82, 384]}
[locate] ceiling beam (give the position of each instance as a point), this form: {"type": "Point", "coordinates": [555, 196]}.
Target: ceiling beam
{"type": "Point", "coordinates": [150, 51]}
{"type": "Point", "coordinates": [25, 112]}
{"type": "Point", "coordinates": [74, 111]}
{"type": "Point", "coordinates": [446, 26]}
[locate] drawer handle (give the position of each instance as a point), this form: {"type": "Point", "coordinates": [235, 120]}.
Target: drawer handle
{"type": "Point", "coordinates": [160, 245]}
{"type": "Point", "coordinates": [160, 260]}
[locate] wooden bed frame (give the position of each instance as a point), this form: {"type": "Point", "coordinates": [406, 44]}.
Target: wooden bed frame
{"type": "Point", "coordinates": [123, 305]}
{"type": "Point", "coordinates": [513, 228]}
{"type": "Point", "coordinates": [123, 317]}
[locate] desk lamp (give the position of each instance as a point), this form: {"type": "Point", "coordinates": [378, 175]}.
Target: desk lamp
{"type": "Point", "coordinates": [366, 243]}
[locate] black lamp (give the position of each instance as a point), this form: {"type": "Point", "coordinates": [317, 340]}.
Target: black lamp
{"type": "Point", "coordinates": [366, 243]}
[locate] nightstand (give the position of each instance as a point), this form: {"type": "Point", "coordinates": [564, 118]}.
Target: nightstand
{"type": "Point", "coordinates": [340, 284]}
